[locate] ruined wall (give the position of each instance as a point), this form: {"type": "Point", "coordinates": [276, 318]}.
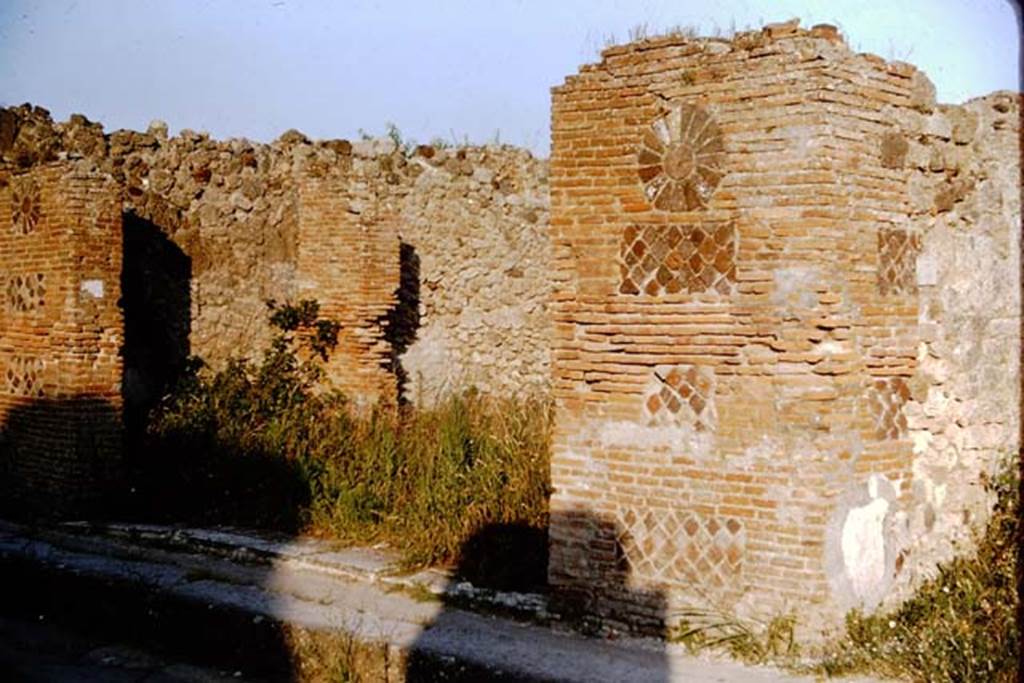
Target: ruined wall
{"type": "Point", "coordinates": [964, 409]}
{"type": "Point", "coordinates": [738, 306]}
{"type": "Point", "coordinates": [472, 223]}
{"type": "Point", "coordinates": [475, 226]}
{"type": "Point", "coordinates": [778, 307]}
{"type": "Point", "coordinates": [348, 260]}
{"type": "Point", "coordinates": [60, 336]}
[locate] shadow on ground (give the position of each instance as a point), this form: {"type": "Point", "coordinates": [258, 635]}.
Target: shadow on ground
{"type": "Point", "coordinates": [514, 558]}
{"type": "Point", "coordinates": [99, 621]}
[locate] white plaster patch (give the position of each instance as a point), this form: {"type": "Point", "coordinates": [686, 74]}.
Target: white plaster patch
{"type": "Point", "coordinates": [927, 270]}
{"type": "Point", "coordinates": [771, 447]}
{"type": "Point", "coordinates": [863, 546]}
{"type": "Point", "coordinates": [829, 347]}
{"type": "Point", "coordinates": [432, 367]}
{"type": "Point", "coordinates": [921, 440]}
{"type": "Point", "coordinates": [93, 288]}
{"type": "Point", "coordinates": [627, 434]}
{"type": "Point", "coordinates": [803, 140]}
{"type": "Point", "coordinates": [796, 287]}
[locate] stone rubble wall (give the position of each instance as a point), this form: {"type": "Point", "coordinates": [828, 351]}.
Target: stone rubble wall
{"type": "Point", "coordinates": [963, 415]}
{"type": "Point", "coordinates": [475, 222]}
{"type": "Point", "coordinates": [787, 322]}
{"type": "Point", "coordinates": [60, 337]}
{"type": "Point", "coordinates": [472, 225]}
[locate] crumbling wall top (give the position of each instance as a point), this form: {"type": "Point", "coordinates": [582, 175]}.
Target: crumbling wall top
{"type": "Point", "coordinates": [820, 42]}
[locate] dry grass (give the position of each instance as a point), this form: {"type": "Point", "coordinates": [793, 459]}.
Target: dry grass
{"type": "Point", "coordinates": [259, 445]}
{"type": "Point", "coordinates": [426, 481]}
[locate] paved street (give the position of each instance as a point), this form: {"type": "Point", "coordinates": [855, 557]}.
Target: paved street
{"type": "Point", "coordinates": [38, 650]}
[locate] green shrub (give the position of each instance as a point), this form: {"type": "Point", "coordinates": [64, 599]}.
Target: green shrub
{"type": "Point", "coordinates": [262, 445]}
{"type": "Point", "coordinates": [961, 625]}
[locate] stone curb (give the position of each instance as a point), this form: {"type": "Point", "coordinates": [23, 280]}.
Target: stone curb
{"type": "Point", "coordinates": [274, 584]}
{"type": "Point", "coordinates": [364, 564]}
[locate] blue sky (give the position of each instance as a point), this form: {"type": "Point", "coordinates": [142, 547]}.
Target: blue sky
{"type": "Point", "coordinates": [475, 69]}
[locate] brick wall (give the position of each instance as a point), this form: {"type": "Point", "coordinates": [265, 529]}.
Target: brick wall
{"type": "Point", "coordinates": [60, 335]}
{"type": "Point", "coordinates": [473, 222]}
{"type": "Point", "coordinates": [348, 260]}
{"type": "Point", "coordinates": [736, 323]}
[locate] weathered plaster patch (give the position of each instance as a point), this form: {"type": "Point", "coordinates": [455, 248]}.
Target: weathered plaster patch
{"type": "Point", "coordinates": [927, 269]}
{"type": "Point", "coordinates": [432, 349]}
{"type": "Point", "coordinates": [796, 287]}
{"type": "Point", "coordinates": [863, 545]}
{"type": "Point", "coordinates": [627, 434]}
{"type": "Point", "coordinates": [920, 438]}
{"type": "Point", "coordinates": [860, 554]}
{"type": "Point", "coordinates": [93, 288]}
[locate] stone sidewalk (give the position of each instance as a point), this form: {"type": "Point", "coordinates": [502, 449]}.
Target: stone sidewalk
{"type": "Point", "coordinates": [357, 594]}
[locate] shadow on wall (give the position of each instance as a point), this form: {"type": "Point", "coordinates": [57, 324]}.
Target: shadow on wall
{"type": "Point", "coordinates": [514, 557]}
{"type": "Point", "coordinates": [60, 456]}
{"type": "Point", "coordinates": [156, 299]}
{"type": "Point", "coordinates": [592, 576]}
{"type": "Point", "coordinates": [404, 319]}
{"type": "Point", "coordinates": [189, 472]}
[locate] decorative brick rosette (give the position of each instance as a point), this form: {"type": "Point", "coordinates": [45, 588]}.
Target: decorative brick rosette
{"type": "Point", "coordinates": [680, 159]}
{"type": "Point", "coordinates": [25, 209]}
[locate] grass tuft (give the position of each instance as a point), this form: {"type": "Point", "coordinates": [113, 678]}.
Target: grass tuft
{"type": "Point", "coordinates": [748, 640]}
{"type": "Point", "coordinates": [426, 481]}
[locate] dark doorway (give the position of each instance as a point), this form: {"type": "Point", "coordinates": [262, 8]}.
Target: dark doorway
{"type": "Point", "coordinates": [156, 299]}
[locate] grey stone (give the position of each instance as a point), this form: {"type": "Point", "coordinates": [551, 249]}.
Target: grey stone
{"type": "Point", "coordinates": [158, 129]}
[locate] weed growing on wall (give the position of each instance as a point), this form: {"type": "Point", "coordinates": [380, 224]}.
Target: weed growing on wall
{"type": "Point", "coordinates": [961, 625]}
{"type": "Point", "coordinates": [746, 639]}
{"type": "Point", "coordinates": [262, 444]}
